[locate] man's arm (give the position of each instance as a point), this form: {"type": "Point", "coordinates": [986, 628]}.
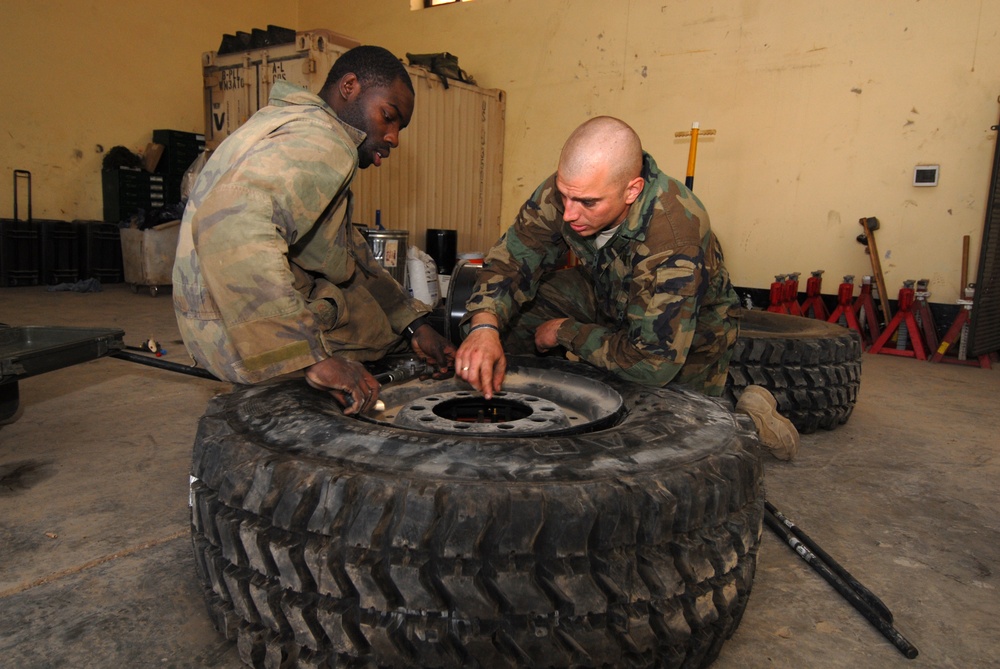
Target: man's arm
{"type": "Point", "coordinates": [270, 198]}
{"type": "Point", "coordinates": [398, 305]}
{"type": "Point", "coordinates": [480, 359]}
{"type": "Point", "coordinates": [514, 266]}
{"type": "Point", "coordinates": [509, 278]}
{"type": "Point", "coordinates": [242, 257]}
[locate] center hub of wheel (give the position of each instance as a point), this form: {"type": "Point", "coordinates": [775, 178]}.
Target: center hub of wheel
{"type": "Point", "coordinates": [533, 402]}
{"type": "Point", "coordinates": [465, 411]}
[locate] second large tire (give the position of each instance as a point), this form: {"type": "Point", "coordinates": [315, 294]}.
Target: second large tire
{"type": "Point", "coordinates": [813, 368]}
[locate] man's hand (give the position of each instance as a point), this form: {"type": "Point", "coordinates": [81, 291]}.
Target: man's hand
{"type": "Point", "coordinates": [546, 334]}
{"type": "Point", "coordinates": [480, 359]}
{"type": "Point", "coordinates": [433, 349]}
{"type": "Point", "coordinates": [345, 379]}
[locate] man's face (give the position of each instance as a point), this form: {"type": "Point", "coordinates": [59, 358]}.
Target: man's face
{"type": "Point", "coordinates": [592, 203]}
{"type": "Point", "coordinates": [381, 113]}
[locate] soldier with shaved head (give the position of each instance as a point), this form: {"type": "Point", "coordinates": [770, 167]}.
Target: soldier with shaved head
{"type": "Point", "coordinates": [650, 301]}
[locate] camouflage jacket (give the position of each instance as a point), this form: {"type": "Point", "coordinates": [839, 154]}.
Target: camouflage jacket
{"type": "Point", "coordinates": [661, 287]}
{"type": "Point", "coordinates": [267, 250]}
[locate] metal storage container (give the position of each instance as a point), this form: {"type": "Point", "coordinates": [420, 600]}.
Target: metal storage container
{"type": "Point", "coordinates": [238, 84]}
{"type": "Point", "coordinates": [389, 248]}
{"type": "Point", "coordinates": [447, 170]}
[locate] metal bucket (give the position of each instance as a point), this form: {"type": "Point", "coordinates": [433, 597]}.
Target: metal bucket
{"type": "Point", "coordinates": [389, 248]}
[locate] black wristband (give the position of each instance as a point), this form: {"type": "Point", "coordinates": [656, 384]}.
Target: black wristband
{"type": "Point", "coordinates": [411, 329]}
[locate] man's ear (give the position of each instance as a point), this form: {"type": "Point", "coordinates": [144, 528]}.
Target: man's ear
{"type": "Point", "coordinates": [634, 189]}
{"type": "Point", "coordinates": [349, 88]}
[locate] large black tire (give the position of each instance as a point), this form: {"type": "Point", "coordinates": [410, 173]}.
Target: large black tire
{"type": "Point", "coordinates": [327, 541]}
{"type": "Point", "coordinates": [812, 368]}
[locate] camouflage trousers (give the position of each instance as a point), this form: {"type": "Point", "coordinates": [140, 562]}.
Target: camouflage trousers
{"type": "Point", "coordinates": [357, 329]}
{"type": "Point", "coordinates": [568, 293]}
{"type": "Point", "coordinates": [366, 334]}
{"type": "Point", "coordinates": [562, 294]}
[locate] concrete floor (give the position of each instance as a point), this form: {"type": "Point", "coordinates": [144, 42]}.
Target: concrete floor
{"type": "Point", "coordinates": [96, 568]}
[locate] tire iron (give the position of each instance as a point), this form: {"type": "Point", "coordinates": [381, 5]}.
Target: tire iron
{"type": "Point", "coordinates": [860, 597]}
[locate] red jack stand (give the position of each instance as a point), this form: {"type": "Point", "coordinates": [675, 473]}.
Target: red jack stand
{"type": "Point", "coordinates": [776, 301]}
{"type": "Point", "coordinates": [792, 294]}
{"type": "Point", "coordinates": [844, 310]}
{"type": "Point", "coordinates": [906, 325]}
{"type": "Point", "coordinates": [814, 300]}
{"type": "Point", "coordinates": [922, 311]}
{"type": "Point", "coordinates": [959, 330]}
{"type": "Point", "coordinates": [864, 311]}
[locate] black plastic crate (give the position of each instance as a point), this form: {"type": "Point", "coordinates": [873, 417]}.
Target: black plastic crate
{"type": "Point", "coordinates": [172, 188]}
{"type": "Point", "coordinates": [126, 191]}
{"type": "Point", "coordinates": [59, 252]}
{"type": "Point", "coordinates": [159, 195]}
{"type": "Point", "coordinates": [19, 253]}
{"type": "Point", "coordinates": [100, 251]}
{"type": "Point", "coordinates": [180, 149]}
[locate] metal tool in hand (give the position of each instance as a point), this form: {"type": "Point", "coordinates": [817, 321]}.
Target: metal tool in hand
{"type": "Point", "coordinates": [404, 371]}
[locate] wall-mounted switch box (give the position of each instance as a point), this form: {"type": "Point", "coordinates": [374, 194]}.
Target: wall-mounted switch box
{"type": "Point", "coordinates": [925, 175]}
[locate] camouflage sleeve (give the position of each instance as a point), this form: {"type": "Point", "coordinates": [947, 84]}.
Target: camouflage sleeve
{"type": "Point", "coordinates": [532, 246]}
{"type": "Point", "coordinates": [398, 305]}
{"type": "Point", "coordinates": [652, 345]}
{"type": "Point", "coordinates": [243, 230]}
{"type": "Point", "coordinates": [338, 252]}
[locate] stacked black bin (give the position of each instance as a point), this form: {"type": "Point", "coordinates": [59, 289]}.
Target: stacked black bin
{"type": "Point", "coordinates": [180, 149]}
{"type": "Point", "coordinates": [19, 248]}
{"type": "Point", "coordinates": [59, 251]}
{"type": "Point", "coordinates": [100, 251]}
{"type": "Point", "coordinates": [46, 252]}
{"type": "Point", "coordinates": [38, 252]}
{"type": "Point", "coordinates": [127, 191]}
{"type": "Point", "coordinates": [19, 242]}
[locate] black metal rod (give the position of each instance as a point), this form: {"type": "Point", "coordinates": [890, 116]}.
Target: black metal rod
{"type": "Point", "coordinates": [873, 601]}
{"type": "Point", "coordinates": [164, 364]}
{"type": "Point", "coordinates": [881, 624]}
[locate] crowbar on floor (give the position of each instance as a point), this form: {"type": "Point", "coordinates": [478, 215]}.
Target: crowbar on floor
{"type": "Point", "coordinates": [860, 597]}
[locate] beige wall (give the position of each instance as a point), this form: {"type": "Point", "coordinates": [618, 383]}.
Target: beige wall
{"type": "Point", "coordinates": [82, 77]}
{"type": "Point", "coordinates": [822, 109]}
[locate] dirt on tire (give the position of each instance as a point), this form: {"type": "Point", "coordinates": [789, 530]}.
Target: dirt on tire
{"type": "Point", "coordinates": [325, 541]}
{"type": "Point", "coordinates": [813, 368]}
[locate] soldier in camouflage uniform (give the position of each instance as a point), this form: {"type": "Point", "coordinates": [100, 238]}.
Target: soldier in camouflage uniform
{"type": "Point", "coordinates": [651, 298]}
{"type": "Point", "coordinates": [271, 277]}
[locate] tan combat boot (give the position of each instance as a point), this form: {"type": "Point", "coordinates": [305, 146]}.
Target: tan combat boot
{"type": "Point", "coordinates": [775, 431]}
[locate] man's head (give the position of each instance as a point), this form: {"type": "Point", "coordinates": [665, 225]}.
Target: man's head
{"type": "Point", "coordinates": [599, 175]}
{"type": "Point", "coordinates": [371, 90]}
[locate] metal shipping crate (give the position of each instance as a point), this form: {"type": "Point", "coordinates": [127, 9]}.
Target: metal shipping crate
{"type": "Point", "coordinates": [238, 84]}
{"type": "Point", "coordinates": [447, 171]}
